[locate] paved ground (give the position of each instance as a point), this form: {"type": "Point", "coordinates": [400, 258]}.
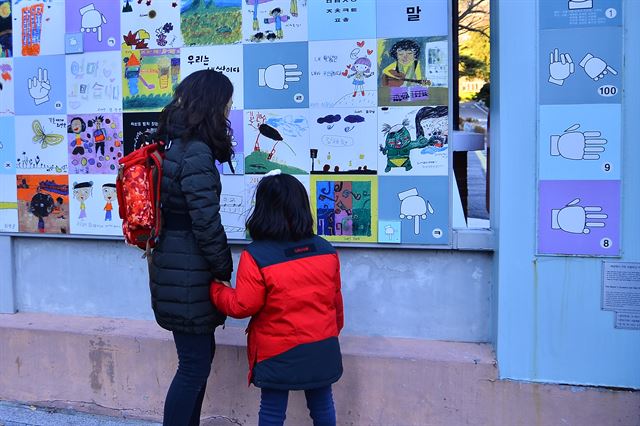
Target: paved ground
{"type": "Point", "coordinates": [13, 414]}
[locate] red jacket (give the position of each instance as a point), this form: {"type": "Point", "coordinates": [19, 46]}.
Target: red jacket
{"type": "Point", "coordinates": [292, 292]}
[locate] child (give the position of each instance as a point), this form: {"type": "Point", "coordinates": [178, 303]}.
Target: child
{"type": "Point", "coordinates": [288, 281]}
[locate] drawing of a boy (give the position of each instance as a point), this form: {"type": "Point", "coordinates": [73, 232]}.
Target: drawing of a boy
{"type": "Point", "coordinates": [109, 194]}
{"type": "Point", "coordinates": [82, 192]}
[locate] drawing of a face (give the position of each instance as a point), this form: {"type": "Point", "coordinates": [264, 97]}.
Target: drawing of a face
{"type": "Point", "coordinates": [82, 193]}
{"type": "Point", "coordinates": [398, 137]}
{"type": "Point", "coordinates": [109, 193]}
{"type": "Point", "coordinates": [406, 57]}
{"type": "Point", "coordinates": [430, 126]}
{"type": "Point", "coordinates": [77, 125]}
{"type": "Point", "coordinates": [361, 68]}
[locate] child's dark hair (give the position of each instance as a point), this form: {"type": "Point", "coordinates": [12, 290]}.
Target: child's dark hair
{"type": "Point", "coordinates": [282, 211]}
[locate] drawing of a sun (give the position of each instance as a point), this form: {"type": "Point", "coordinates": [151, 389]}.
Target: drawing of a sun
{"type": "Point", "coordinates": [5, 9]}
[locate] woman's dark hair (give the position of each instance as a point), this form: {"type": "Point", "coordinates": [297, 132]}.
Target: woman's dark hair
{"type": "Point", "coordinates": [429, 112]}
{"type": "Point", "coordinates": [197, 111]}
{"type": "Point", "coordinates": [282, 211]}
{"type": "Point", "coordinates": [405, 44]}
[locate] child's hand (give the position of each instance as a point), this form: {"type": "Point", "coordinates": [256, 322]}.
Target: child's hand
{"type": "Point", "coordinates": [225, 283]}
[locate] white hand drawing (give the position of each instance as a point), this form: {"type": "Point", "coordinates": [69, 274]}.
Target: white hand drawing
{"type": "Point", "coordinates": [574, 145]}
{"type": "Point", "coordinates": [580, 4]}
{"type": "Point", "coordinates": [577, 219]}
{"type": "Point", "coordinates": [414, 207]}
{"type": "Point", "coordinates": [92, 20]}
{"type": "Point", "coordinates": [561, 67]}
{"type": "Point", "coordinates": [276, 76]}
{"type": "Point", "coordinates": [39, 87]}
{"type": "Point", "coordinates": [595, 67]}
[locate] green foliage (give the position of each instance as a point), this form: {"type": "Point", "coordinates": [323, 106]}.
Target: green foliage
{"type": "Point", "coordinates": [211, 25]}
{"type": "Point", "coordinates": [257, 163]}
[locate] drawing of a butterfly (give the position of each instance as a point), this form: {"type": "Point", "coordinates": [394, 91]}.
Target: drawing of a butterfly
{"type": "Point", "coordinates": [39, 136]}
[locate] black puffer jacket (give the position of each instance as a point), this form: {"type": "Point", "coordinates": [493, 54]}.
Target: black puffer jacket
{"type": "Point", "coordinates": [192, 249]}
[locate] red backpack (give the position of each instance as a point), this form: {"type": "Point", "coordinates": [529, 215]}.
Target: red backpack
{"type": "Point", "coordinates": [138, 189]}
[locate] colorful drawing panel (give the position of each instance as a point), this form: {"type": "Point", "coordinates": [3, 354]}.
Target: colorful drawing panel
{"type": "Point", "coordinates": [37, 27]}
{"type": "Point", "coordinates": [344, 141]}
{"type": "Point", "coordinates": [93, 205]}
{"type": "Point", "coordinates": [43, 204]}
{"type": "Point", "coordinates": [149, 78]}
{"type": "Point", "coordinates": [7, 146]}
{"type": "Point", "coordinates": [41, 144]}
{"type": "Point", "coordinates": [343, 74]}
{"type": "Point", "coordinates": [211, 22]}
{"type": "Point", "coordinates": [226, 59]}
{"type": "Point", "coordinates": [580, 142]}
{"type": "Point", "coordinates": [413, 71]}
{"type": "Point", "coordinates": [579, 217]}
{"type": "Point", "coordinates": [421, 205]}
{"type": "Point", "coordinates": [580, 66]}
{"type": "Point", "coordinates": [96, 21]}
{"type": "Point", "coordinates": [338, 20]}
{"type": "Point", "coordinates": [233, 206]}
{"type": "Point", "coordinates": [413, 141]}
{"type": "Point", "coordinates": [94, 143]}
{"type": "Point", "coordinates": [6, 33]}
{"type": "Point", "coordinates": [40, 85]}
{"type": "Point", "coordinates": [276, 139]}
{"type": "Point", "coordinates": [406, 18]}
{"type": "Point", "coordinates": [345, 207]}
{"type": "Point", "coordinates": [7, 79]}
{"type": "Point", "coordinates": [273, 21]}
{"type": "Point", "coordinates": [94, 83]}
{"type": "Point", "coordinates": [8, 203]}
{"type": "Point", "coordinates": [150, 24]}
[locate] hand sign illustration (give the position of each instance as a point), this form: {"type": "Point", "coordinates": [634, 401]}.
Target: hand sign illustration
{"type": "Point", "coordinates": [39, 87]}
{"type": "Point", "coordinates": [561, 67]}
{"type": "Point", "coordinates": [577, 219]}
{"type": "Point", "coordinates": [277, 76]}
{"type": "Point", "coordinates": [595, 67]}
{"type": "Point", "coordinates": [92, 20]}
{"type": "Point", "coordinates": [414, 207]}
{"type": "Point", "coordinates": [574, 145]}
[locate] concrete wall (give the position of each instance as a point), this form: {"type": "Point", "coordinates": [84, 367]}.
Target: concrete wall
{"type": "Point", "coordinates": [550, 327]}
{"type": "Point", "coordinates": [425, 294]}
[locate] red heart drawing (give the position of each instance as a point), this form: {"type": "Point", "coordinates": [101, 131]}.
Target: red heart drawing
{"type": "Point", "coordinates": [360, 43]}
{"type": "Point", "coordinates": [369, 51]}
{"type": "Point", "coordinates": [349, 66]}
{"type": "Point", "coordinates": [345, 73]}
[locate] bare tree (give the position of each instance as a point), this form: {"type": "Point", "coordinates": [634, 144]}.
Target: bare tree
{"type": "Point", "coordinates": [473, 16]}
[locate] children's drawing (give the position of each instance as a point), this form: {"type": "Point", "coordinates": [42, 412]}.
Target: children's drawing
{"type": "Point", "coordinates": [150, 25]}
{"type": "Point", "coordinates": [40, 85]}
{"type": "Point", "coordinates": [233, 206]}
{"type": "Point", "coordinates": [6, 36]}
{"type": "Point", "coordinates": [43, 204]}
{"type": "Point", "coordinates": [39, 144]}
{"type": "Point", "coordinates": [236, 117]}
{"type": "Point", "coordinates": [274, 20]}
{"type": "Point", "coordinates": [420, 207]}
{"type": "Point", "coordinates": [8, 203]}
{"type": "Point", "coordinates": [344, 141]}
{"type": "Point", "coordinates": [340, 20]}
{"type": "Point", "coordinates": [149, 78]}
{"type": "Point", "coordinates": [6, 88]}
{"type": "Point", "coordinates": [94, 83]}
{"type": "Point", "coordinates": [413, 141]}
{"type": "Point", "coordinates": [137, 129]}
{"type": "Point", "coordinates": [276, 76]}
{"type": "Point", "coordinates": [345, 207]}
{"type": "Point", "coordinates": [280, 140]}
{"type": "Point", "coordinates": [93, 205]}
{"type": "Point", "coordinates": [225, 59]}
{"type": "Point", "coordinates": [413, 71]}
{"type": "Point", "coordinates": [7, 146]}
{"type": "Point", "coordinates": [94, 143]}
{"type": "Point", "coordinates": [211, 22]}
{"type": "Point", "coordinates": [38, 28]}
{"type": "Point", "coordinates": [343, 74]}
{"type": "Point", "coordinates": [97, 21]}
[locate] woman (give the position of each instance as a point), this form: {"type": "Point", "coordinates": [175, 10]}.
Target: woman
{"type": "Point", "coordinates": [192, 250]}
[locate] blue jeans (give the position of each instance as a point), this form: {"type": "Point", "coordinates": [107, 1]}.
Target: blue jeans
{"type": "Point", "coordinates": [273, 406]}
{"type": "Point", "coordinates": [186, 393]}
